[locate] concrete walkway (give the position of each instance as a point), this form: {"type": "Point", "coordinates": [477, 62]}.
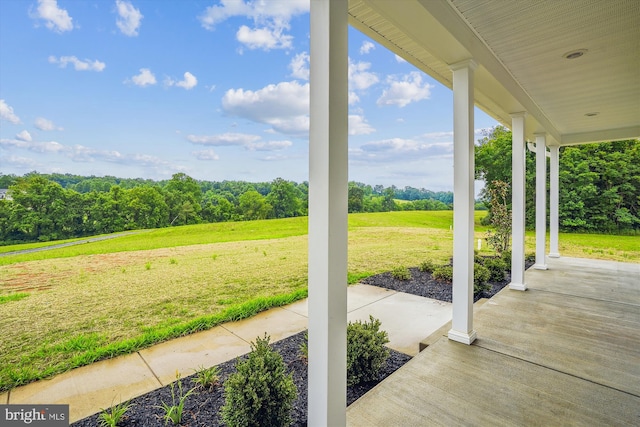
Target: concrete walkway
{"type": "Point", "coordinates": [406, 318]}
{"type": "Point", "coordinates": [565, 352]}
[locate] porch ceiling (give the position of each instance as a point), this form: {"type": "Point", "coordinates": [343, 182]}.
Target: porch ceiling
{"type": "Point", "coordinates": [520, 48]}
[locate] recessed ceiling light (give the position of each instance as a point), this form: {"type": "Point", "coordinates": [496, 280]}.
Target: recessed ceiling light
{"type": "Point", "coordinates": [595, 113]}
{"type": "Point", "coordinates": [574, 54]}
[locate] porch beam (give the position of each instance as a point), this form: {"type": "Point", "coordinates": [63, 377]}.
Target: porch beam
{"type": "Point", "coordinates": [554, 200]}
{"type": "Point", "coordinates": [541, 200]}
{"type": "Point", "coordinates": [463, 202]}
{"type": "Point", "coordinates": [328, 184]}
{"type": "Point", "coordinates": [518, 167]}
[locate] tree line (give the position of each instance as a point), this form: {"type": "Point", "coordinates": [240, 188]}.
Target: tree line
{"type": "Point", "coordinates": [43, 207]}
{"type": "Point", "coordinates": [599, 187]}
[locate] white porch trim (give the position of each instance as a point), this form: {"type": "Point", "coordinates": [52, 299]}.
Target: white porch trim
{"type": "Point", "coordinates": [328, 183]}
{"type": "Point", "coordinates": [463, 202]}
{"type": "Point", "coordinates": [518, 166]}
{"type": "Point", "coordinates": [554, 200]}
{"type": "Point", "coordinates": [541, 200]}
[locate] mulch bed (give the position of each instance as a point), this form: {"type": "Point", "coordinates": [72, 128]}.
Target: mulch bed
{"type": "Point", "coordinates": [424, 285]}
{"type": "Point", "coordinates": [203, 407]}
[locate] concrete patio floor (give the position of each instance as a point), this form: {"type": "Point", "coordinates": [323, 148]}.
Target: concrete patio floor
{"type": "Point", "coordinates": [565, 352]}
{"type": "Point", "coordinates": [406, 318]}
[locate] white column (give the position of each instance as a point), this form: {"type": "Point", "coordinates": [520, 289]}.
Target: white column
{"type": "Point", "coordinates": [541, 200]}
{"type": "Point", "coordinates": [518, 166]}
{"type": "Point", "coordinates": [463, 202]}
{"type": "Point", "coordinates": [554, 200]}
{"type": "Point", "coordinates": [328, 183]}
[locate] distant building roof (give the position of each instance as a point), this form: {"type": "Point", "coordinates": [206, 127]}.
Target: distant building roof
{"type": "Point", "coordinates": [4, 194]}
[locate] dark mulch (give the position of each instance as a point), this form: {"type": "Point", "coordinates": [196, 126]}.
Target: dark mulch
{"type": "Point", "coordinates": [203, 407]}
{"type": "Point", "coordinates": [423, 284]}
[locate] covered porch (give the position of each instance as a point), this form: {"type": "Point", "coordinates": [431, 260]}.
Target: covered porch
{"type": "Point", "coordinates": [567, 351]}
{"type": "Point", "coordinates": [556, 74]}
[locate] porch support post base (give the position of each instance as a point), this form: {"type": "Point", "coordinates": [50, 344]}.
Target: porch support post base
{"type": "Point", "coordinates": [463, 337]}
{"type": "Point", "coordinates": [518, 286]}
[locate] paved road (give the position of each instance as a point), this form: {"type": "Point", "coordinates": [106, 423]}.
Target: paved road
{"type": "Point", "coordinates": [63, 245]}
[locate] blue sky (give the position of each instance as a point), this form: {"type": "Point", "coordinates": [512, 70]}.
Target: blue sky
{"type": "Point", "coordinates": [215, 89]}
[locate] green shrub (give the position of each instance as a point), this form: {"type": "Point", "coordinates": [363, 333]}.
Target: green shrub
{"type": "Point", "coordinates": [481, 275]}
{"type": "Point", "coordinates": [260, 392]}
{"type": "Point", "coordinates": [401, 273]}
{"type": "Point", "coordinates": [366, 353]}
{"type": "Point", "coordinates": [444, 273]}
{"type": "Point", "coordinates": [497, 268]}
{"type": "Point", "coordinates": [530, 257]}
{"type": "Point", "coordinates": [427, 266]}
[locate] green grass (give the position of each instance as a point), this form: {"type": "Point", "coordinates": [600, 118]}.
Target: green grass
{"type": "Point", "coordinates": [92, 301]}
{"type": "Point", "coordinates": [13, 297]}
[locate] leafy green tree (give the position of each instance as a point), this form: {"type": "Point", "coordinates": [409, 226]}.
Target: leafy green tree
{"type": "Point", "coordinates": [356, 198]}
{"type": "Point", "coordinates": [146, 208]}
{"type": "Point", "coordinates": [284, 199]}
{"type": "Point", "coordinates": [253, 206]}
{"type": "Point", "coordinates": [40, 204]}
{"type": "Point", "coordinates": [493, 164]}
{"type": "Point", "coordinates": [600, 187]}
{"type": "Point", "coordinates": [388, 204]}
{"type": "Point", "coordinates": [500, 237]}
{"type": "Point", "coordinates": [183, 197]}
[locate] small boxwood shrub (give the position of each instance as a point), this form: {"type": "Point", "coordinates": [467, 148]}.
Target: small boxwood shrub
{"type": "Point", "coordinates": [427, 266]}
{"type": "Point", "coordinates": [401, 273]}
{"type": "Point", "coordinates": [481, 275]}
{"type": "Point", "coordinates": [366, 353]}
{"type": "Point", "coordinates": [260, 392]}
{"type": "Point", "coordinates": [530, 257]}
{"type": "Point", "coordinates": [443, 272]}
{"type": "Point", "coordinates": [497, 268]}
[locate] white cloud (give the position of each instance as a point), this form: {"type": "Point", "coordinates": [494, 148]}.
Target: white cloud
{"type": "Point", "coordinates": [55, 18]}
{"type": "Point", "coordinates": [359, 126]}
{"type": "Point", "coordinates": [299, 66]}
{"type": "Point", "coordinates": [80, 153]}
{"type": "Point", "coordinates": [400, 59]}
{"type": "Point", "coordinates": [189, 82]}
{"type": "Point", "coordinates": [129, 18]}
{"type": "Point", "coordinates": [22, 162]}
{"type": "Point", "coordinates": [225, 139]}
{"type": "Point", "coordinates": [359, 76]}
{"type": "Point", "coordinates": [35, 146]}
{"type": "Point", "coordinates": [270, 20]}
{"type": "Point", "coordinates": [439, 135]}
{"type": "Point", "coordinates": [145, 78]}
{"type": "Point", "coordinates": [86, 65]}
{"type": "Point", "coordinates": [366, 47]}
{"type": "Point", "coordinates": [6, 113]}
{"type": "Point", "coordinates": [248, 141]}
{"type": "Point", "coordinates": [270, 146]}
{"type": "Point", "coordinates": [24, 136]}
{"type": "Point", "coordinates": [44, 124]}
{"type": "Point", "coordinates": [264, 38]}
{"type": "Point", "coordinates": [206, 155]}
{"type": "Point", "coordinates": [402, 149]}
{"type": "Point", "coordinates": [284, 106]}
{"type": "Point", "coordinates": [405, 91]}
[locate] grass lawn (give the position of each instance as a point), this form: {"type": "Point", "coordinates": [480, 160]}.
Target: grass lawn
{"type": "Point", "coordinates": [71, 306]}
